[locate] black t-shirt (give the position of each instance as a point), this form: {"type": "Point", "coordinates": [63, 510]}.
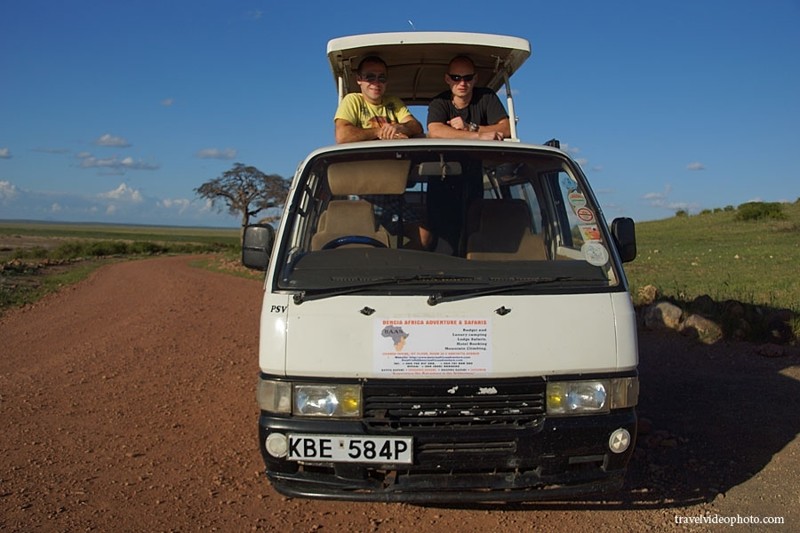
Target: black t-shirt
{"type": "Point", "coordinates": [484, 109]}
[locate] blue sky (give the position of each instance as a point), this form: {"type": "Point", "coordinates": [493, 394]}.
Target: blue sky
{"type": "Point", "coordinates": [116, 111]}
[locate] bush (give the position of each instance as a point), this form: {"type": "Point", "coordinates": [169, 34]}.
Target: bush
{"type": "Point", "coordinates": [760, 211]}
{"type": "Point", "coordinates": [681, 213]}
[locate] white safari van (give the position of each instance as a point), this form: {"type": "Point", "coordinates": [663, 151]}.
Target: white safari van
{"type": "Point", "coordinates": [496, 363]}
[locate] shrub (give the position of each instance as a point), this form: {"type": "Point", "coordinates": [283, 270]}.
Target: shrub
{"type": "Point", "coordinates": [681, 213]}
{"type": "Point", "coordinates": [760, 211]}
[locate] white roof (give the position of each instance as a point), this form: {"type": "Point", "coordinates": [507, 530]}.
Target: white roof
{"type": "Point", "coordinates": [417, 61]}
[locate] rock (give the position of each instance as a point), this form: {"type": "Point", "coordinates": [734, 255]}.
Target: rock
{"type": "Point", "coordinates": [707, 331]}
{"type": "Point", "coordinates": [779, 330]}
{"type": "Point", "coordinates": [663, 315]}
{"type": "Point", "coordinates": [733, 308]}
{"type": "Point", "coordinates": [771, 350]}
{"type": "Point", "coordinates": [648, 294]}
{"type": "Point", "coordinates": [704, 304]}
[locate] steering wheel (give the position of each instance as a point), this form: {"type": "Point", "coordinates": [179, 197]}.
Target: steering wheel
{"type": "Point", "coordinates": [353, 239]}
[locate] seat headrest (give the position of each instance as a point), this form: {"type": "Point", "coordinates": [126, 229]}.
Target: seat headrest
{"type": "Point", "coordinates": [498, 216]}
{"type": "Point", "coordinates": [381, 176]}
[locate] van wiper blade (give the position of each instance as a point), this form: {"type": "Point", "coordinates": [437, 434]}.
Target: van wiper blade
{"type": "Point", "coordinates": [315, 294]}
{"type": "Point", "coordinates": [439, 297]}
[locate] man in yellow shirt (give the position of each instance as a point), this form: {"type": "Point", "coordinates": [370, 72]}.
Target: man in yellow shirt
{"type": "Point", "coordinates": [371, 114]}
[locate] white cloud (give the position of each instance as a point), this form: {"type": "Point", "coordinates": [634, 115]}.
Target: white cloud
{"type": "Point", "coordinates": [216, 153]}
{"type": "Point", "coordinates": [8, 191]}
{"type": "Point", "coordinates": [5, 153]}
{"type": "Point", "coordinates": [178, 204]}
{"type": "Point", "coordinates": [110, 140]}
{"type": "Point", "coordinates": [662, 200]}
{"type": "Point", "coordinates": [572, 150]}
{"type": "Point", "coordinates": [695, 166]}
{"type": "Point", "coordinates": [123, 192]}
{"type": "Point", "coordinates": [167, 102]}
{"type": "Point", "coordinates": [658, 199]}
{"type": "Point", "coordinates": [115, 163]}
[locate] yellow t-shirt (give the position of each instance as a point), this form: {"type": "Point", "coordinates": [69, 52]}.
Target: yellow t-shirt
{"type": "Point", "coordinates": [358, 112]}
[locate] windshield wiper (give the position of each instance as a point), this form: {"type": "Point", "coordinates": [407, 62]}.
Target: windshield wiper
{"type": "Point", "coordinates": [439, 297]}
{"type": "Point", "coordinates": [315, 294]}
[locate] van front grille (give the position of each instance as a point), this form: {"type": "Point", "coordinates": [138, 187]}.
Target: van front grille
{"type": "Point", "coordinates": [466, 404]}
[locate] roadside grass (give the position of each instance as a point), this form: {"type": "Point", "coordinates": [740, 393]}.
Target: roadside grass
{"type": "Point", "coordinates": [725, 256]}
{"type": "Point", "coordinates": [19, 290]}
{"type": "Point", "coordinates": [119, 232]}
{"type": "Point", "coordinates": [37, 258]}
{"type": "Point", "coordinates": [716, 254]}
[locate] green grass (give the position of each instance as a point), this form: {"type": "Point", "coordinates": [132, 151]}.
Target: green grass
{"type": "Point", "coordinates": [715, 254]}
{"type": "Point", "coordinates": [121, 232]}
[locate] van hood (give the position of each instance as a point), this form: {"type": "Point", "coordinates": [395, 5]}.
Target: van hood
{"type": "Point", "coordinates": [490, 336]}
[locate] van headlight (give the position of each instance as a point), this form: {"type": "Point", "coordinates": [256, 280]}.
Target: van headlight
{"type": "Point", "coordinates": [327, 400]}
{"type": "Point", "coordinates": [595, 396]}
{"type": "Point", "coordinates": [334, 401]}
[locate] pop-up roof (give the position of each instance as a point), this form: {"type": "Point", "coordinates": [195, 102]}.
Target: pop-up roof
{"type": "Point", "coordinates": [418, 61]}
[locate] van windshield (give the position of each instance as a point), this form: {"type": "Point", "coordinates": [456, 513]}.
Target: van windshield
{"type": "Point", "coordinates": [447, 218]}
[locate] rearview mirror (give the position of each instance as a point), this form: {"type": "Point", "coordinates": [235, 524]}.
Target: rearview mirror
{"type": "Point", "coordinates": [439, 168]}
{"type": "Point", "coordinates": [257, 245]}
{"type": "Point", "coordinates": [624, 232]}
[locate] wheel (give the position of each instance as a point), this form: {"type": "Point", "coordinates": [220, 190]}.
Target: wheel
{"type": "Point", "coordinates": [353, 239]}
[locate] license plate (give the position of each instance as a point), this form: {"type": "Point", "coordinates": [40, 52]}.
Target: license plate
{"type": "Point", "coordinates": [350, 449]}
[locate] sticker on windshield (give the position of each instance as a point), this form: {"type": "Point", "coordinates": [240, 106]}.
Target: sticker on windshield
{"type": "Point", "coordinates": [595, 253]}
{"type": "Point", "coordinates": [425, 346]}
{"type": "Point", "coordinates": [585, 214]}
{"type": "Point", "coordinates": [589, 232]}
{"type": "Point", "coordinates": [576, 199]}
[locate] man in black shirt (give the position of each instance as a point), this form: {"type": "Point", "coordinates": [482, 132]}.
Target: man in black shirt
{"type": "Point", "coordinates": [463, 112]}
{"type": "Point", "coordinates": [466, 111]}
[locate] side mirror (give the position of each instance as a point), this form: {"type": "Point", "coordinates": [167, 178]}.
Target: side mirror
{"type": "Point", "coordinates": [257, 245]}
{"type": "Point", "coordinates": [624, 232]}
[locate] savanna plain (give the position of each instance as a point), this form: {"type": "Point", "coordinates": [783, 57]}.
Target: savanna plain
{"type": "Point", "coordinates": [129, 362]}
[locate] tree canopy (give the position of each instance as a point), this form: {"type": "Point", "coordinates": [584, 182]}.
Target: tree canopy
{"type": "Point", "coordinates": [246, 191]}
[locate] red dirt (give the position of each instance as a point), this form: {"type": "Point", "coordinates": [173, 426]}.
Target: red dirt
{"type": "Point", "coordinates": [127, 404]}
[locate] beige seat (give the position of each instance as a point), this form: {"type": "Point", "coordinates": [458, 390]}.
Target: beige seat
{"type": "Point", "coordinates": [347, 217]}
{"type": "Point", "coordinates": [505, 234]}
{"type": "Point", "coordinates": [356, 217]}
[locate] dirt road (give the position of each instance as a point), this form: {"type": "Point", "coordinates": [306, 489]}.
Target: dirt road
{"type": "Point", "coordinates": [127, 404]}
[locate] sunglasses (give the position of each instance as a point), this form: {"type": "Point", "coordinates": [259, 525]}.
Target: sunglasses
{"type": "Point", "coordinates": [372, 78]}
{"type": "Point", "coordinates": [458, 77]}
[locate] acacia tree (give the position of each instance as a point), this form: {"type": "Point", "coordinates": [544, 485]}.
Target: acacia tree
{"type": "Point", "coordinates": [247, 191]}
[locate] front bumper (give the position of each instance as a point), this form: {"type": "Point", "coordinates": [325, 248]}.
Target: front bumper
{"type": "Point", "coordinates": [553, 458]}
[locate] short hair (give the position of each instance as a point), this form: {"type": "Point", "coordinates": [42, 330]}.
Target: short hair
{"type": "Point", "coordinates": [371, 59]}
{"type": "Point", "coordinates": [461, 58]}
